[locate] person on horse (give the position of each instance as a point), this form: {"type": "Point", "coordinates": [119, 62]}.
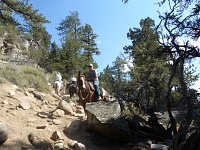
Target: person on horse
{"type": "Point", "coordinates": [92, 76]}
{"type": "Point", "coordinates": [58, 77]}
{"type": "Point", "coordinates": [73, 82]}
{"type": "Point", "coordinates": [58, 83]}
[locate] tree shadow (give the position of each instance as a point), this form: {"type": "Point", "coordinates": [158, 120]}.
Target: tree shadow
{"type": "Point", "coordinates": [93, 140]}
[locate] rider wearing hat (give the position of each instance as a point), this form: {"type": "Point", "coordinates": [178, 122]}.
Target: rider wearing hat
{"type": "Point", "coordinates": [92, 76]}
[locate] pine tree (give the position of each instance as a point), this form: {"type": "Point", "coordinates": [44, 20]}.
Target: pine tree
{"type": "Point", "coordinates": [89, 44]}
{"type": "Point", "coordinates": [150, 66]}
{"type": "Point", "coordinates": [70, 54]}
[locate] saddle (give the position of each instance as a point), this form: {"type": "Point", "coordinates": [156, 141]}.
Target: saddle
{"type": "Point", "coordinates": [91, 86]}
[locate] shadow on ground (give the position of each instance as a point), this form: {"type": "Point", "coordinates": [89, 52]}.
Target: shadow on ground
{"type": "Point", "coordinates": [94, 141]}
{"type": "Point", "coordinates": [16, 145]}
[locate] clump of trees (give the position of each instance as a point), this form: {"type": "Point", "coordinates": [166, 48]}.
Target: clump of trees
{"type": "Point", "coordinates": [78, 46]}
{"type": "Point", "coordinates": [162, 72]}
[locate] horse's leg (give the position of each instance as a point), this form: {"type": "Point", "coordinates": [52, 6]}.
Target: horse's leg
{"type": "Point", "coordinates": [55, 86]}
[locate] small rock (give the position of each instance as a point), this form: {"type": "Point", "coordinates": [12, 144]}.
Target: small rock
{"type": "Point", "coordinates": [71, 144]}
{"type": "Point", "coordinates": [41, 126]}
{"type": "Point", "coordinates": [15, 87]}
{"type": "Point", "coordinates": [56, 121]}
{"type": "Point", "coordinates": [66, 107]}
{"type": "Point", "coordinates": [25, 105]}
{"type": "Point", "coordinates": [56, 136]}
{"type": "Point", "coordinates": [80, 111]}
{"type": "Point", "coordinates": [158, 147]}
{"type": "Point", "coordinates": [65, 97]}
{"type": "Point", "coordinates": [73, 127]}
{"type": "Point", "coordinates": [3, 132]}
{"type": "Point", "coordinates": [24, 147]}
{"type": "Point", "coordinates": [80, 146]}
{"type": "Point", "coordinates": [79, 107]}
{"type": "Point", "coordinates": [5, 102]}
{"type": "Point", "coordinates": [39, 142]}
{"type": "Point", "coordinates": [58, 113]}
{"type": "Point", "coordinates": [27, 93]}
{"type": "Point", "coordinates": [12, 104]}
{"type": "Point", "coordinates": [31, 89]}
{"type": "Point", "coordinates": [59, 145]}
{"type": "Point", "coordinates": [38, 95]}
{"type": "Point", "coordinates": [43, 114]}
{"type": "Point", "coordinates": [11, 93]}
{"type": "Point", "coordinates": [49, 98]}
{"type": "Point", "coordinates": [31, 120]}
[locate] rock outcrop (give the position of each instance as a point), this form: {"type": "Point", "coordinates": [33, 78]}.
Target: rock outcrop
{"type": "Point", "coordinates": [105, 118]}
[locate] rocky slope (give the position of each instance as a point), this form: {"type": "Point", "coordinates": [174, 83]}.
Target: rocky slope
{"type": "Point", "coordinates": [36, 120]}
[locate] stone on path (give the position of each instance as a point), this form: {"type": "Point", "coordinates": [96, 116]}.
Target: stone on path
{"type": "Point", "coordinates": [56, 121]}
{"type": "Point", "coordinates": [79, 146]}
{"type": "Point", "coordinates": [31, 120]}
{"type": "Point", "coordinates": [39, 142]}
{"type": "Point", "coordinates": [41, 126]}
{"type": "Point", "coordinates": [5, 102]}
{"type": "Point", "coordinates": [66, 107]}
{"type": "Point", "coordinates": [159, 147]}
{"type": "Point", "coordinates": [59, 145]}
{"type": "Point", "coordinates": [38, 95]}
{"type": "Point", "coordinates": [56, 136]}
{"type": "Point", "coordinates": [73, 127]}
{"type": "Point", "coordinates": [11, 93]}
{"type": "Point", "coordinates": [58, 113]}
{"type": "Point", "coordinates": [43, 114]}
{"type": "Point", "coordinates": [3, 132]}
{"type": "Point", "coordinates": [25, 105]}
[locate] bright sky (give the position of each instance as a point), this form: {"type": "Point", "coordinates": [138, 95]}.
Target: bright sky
{"type": "Point", "coordinates": [110, 20]}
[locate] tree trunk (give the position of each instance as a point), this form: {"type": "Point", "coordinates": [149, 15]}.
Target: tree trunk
{"type": "Point", "coordinates": [180, 137]}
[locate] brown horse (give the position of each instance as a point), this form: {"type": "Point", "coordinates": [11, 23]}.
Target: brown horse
{"type": "Point", "coordinates": [86, 93]}
{"type": "Point", "coordinates": [72, 90]}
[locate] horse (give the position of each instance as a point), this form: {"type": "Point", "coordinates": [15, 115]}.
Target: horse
{"type": "Point", "coordinates": [86, 93]}
{"type": "Point", "coordinates": [72, 90]}
{"type": "Point", "coordinates": [57, 87]}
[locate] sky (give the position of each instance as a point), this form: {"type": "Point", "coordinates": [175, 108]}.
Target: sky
{"type": "Point", "coordinates": [110, 20]}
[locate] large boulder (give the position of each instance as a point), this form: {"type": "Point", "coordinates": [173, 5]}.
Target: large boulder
{"type": "Point", "coordinates": [66, 107]}
{"type": "Point", "coordinates": [105, 118]}
{"type": "Point", "coordinates": [3, 132]}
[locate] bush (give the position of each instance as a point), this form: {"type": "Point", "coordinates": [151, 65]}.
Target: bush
{"type": "Point", "coordinates": [25, 76]}
{"type": "Point", "coordinates": [11, 32]}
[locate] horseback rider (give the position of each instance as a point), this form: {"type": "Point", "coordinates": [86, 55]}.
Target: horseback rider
{"type": "Point", "coordinates": [92, 76]}
{"type": "Point", "coordinates": [58, 77]}
{"type": "Point", "coordinates": [58, 83]}
{"type": "Point", "coordinates": [73, 82]}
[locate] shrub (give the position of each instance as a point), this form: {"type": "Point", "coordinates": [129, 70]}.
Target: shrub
{"type": "Point", "coordinates": [25, 76]}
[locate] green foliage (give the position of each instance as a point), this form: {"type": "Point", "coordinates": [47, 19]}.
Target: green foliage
{"type": "Point", "coordinates": [10, 33]}
{"type": "Point", "coordinates": [150, 71]}
{"type": "Point", "coordinates": [25, 76]}
{"type": "Point", "coordinates": [10, 8]}
{"type": "Point", "coordinates": [77, 47]}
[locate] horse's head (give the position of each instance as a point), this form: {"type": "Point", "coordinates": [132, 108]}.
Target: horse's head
{"type": "Point", "coordinates": [81, 81]}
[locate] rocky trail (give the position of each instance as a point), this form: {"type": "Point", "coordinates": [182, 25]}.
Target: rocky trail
{"type": "Point", "coordinates": [34, 120]}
